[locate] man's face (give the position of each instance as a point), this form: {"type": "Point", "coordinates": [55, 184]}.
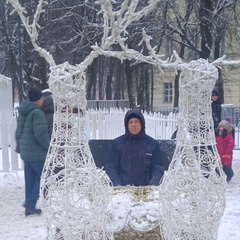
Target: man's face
{"type": "Point", "coordinates": [134, 126]}
{"type": "Point", "coordinates": [214, 98]}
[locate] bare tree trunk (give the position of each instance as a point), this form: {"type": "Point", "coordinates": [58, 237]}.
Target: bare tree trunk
{"type": "Point", "coordinates": [206, 9]}
{"type": "Point", "coordinates": [152, 88]}
{"type": "Point", "coordinates": [119, 84]}
{"type": "Point", "coordinates": [11, 62]}
{"type": "Point", "coordinates": [92, 78]}
{"type": "Point", "coordinates": [130, 88]}
{"type": "Point", "coordinates": [140, 87]}
{"type": "Point", "coordinates": [101, 70]}
{"type": "Point", "coordinates": [177, 76]}
{"type": "Point", "coordinates": [112, 62]}
{"type": "Point", "coordinates": [217, 48]}
{"type": "Point", "coordinates": [146, 87]}
{"type": "Point", "coordinates": [176, 89]}
{"type": "Point", "coordinates": [142, 84]}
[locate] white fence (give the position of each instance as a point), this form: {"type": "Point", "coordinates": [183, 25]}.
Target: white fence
{"type": "Point", "coordinates": [100, 124]}
{"type": "Point", "coordinates": [108, 124]}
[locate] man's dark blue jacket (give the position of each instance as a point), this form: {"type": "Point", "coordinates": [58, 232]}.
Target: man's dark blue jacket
{"type": "Point", "coordinates": [135, 159]}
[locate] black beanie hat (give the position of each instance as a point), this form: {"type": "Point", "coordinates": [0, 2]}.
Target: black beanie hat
{"type": "Point", "coordinates": [34, 94]}
{"type": "Point", "coordinates": [215, 93]}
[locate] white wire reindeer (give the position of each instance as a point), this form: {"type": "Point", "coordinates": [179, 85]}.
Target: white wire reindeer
{"type": "Point", "coordinates": [75, 193]}
{"type": "Point", "coordinates": [192, 191]}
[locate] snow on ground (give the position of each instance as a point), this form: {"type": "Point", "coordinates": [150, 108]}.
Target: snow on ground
{"type": "Point", "coordinates": [15, 226]}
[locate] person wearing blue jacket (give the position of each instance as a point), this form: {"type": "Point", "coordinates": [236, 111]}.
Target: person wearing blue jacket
{"type": "Point", "coordinates": [135, 158]}
{"type": "Point", "coordinates": [33, 138]}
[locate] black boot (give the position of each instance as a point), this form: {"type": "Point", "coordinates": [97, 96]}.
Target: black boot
{"type": "Point", "coordinates": [31, 211]}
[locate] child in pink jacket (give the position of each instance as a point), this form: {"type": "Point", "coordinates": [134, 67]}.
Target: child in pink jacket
{"type": "Point", "coordinates": [225, 145]}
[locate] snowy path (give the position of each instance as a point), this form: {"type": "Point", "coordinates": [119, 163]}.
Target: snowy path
{"type": "Point", "coordinates": [13, 223]}
{"type": "Point", "coordinates": [15, 226]}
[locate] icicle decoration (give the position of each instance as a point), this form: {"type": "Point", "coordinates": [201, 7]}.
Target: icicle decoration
{"type": "Point", "coordinates": [192, 192]}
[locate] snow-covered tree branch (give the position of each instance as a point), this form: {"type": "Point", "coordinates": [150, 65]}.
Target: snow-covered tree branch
{"type": "Point", "coordinates": [115, 32]}
{"type": "Point", "coordinates": [33, 27]}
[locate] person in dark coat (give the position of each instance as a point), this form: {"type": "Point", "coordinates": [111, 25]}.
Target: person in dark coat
{"type": "Point", "coordinates": [48, 109]}
{"type": "Point", "coordinates": [135, 158]}
{"type": "Point", "coordinates": [216, 109]}
{"type": "Point", "coordinates": [33, 140]}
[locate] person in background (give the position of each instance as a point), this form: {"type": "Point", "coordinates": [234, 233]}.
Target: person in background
{"type": "Point", "coordinates": [174, 135]}
{"type": "Point", "coordinates": [216, 109]}
{"type": "Point", "coordinates": [33, 140]}
{"type": "Point", "coordinates": [229, 119]}
{"type": "Point", "coordinates": [225, 145]}
{"type": "Point", "coordinates": [135, 158]}
{"type": "Point", "coordinates": [48, 108]}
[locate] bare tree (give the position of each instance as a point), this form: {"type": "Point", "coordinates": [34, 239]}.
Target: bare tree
{"type": "Point", "coordinates": [195, 28]}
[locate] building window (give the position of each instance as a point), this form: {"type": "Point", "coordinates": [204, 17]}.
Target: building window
{"type": "Point", "coordinates": [168, 92]}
